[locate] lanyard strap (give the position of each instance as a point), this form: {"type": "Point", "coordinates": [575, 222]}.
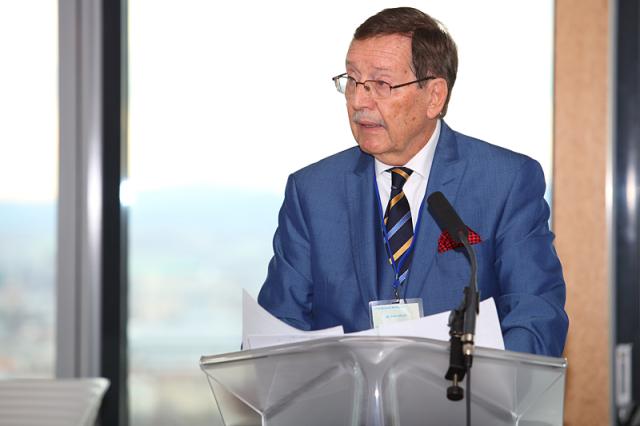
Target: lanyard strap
{"type": "Point", "coordinates": [396, 265]}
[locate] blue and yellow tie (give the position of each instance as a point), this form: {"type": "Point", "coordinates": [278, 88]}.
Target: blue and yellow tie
{"type": "Point", "coordinates": [397, 220]}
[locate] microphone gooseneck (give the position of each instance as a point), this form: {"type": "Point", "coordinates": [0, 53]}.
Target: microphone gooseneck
{"type": "Point", "coordinates": [462, 321]}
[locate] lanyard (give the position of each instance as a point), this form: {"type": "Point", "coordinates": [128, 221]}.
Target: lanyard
{"type": "Point", "coordinates": [396, 265]}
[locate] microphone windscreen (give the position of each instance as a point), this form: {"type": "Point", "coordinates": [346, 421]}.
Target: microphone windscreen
{"type": "Point", "coordinates": [446, 216]}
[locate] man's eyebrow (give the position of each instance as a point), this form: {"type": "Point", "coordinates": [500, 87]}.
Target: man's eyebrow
{"type": "Point", "coordinates": [379, 68]}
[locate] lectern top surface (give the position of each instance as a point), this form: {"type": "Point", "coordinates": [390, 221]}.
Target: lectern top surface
{"type": "Point", "coordinates": [387, 343]}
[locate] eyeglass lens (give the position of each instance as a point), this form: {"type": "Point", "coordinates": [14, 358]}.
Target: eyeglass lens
{"type": "Point", "coordinates": [377, 88]}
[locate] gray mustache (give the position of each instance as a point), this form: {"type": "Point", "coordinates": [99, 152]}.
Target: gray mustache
{"type": "Point", "coordinates": [363, 116]}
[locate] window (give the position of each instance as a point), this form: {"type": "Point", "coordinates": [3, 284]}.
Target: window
{"type": "Point", "coordinates": [28, 187]}
{"type": "Point", "coordinates": [227, 99]}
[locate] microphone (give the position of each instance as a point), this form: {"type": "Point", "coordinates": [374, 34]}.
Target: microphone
{"type": "Point", "coordinates": [462, 321]}
{"type": "Point", "coordinates": [447, 217]}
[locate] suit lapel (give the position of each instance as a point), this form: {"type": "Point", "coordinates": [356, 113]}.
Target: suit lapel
{"type": "Point", "coordinates": [446, 174]}
{"type": "Point", "coordinates": [361, 204]}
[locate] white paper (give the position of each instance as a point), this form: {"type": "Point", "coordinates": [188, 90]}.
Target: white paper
{"type": "Point", "coordinates": [261, 329]}
{"type": "Point", "coordinates": [488, 332]}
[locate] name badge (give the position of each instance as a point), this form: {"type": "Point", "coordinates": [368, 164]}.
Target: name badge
{"type": "Point", "coordinates": [390, 311]}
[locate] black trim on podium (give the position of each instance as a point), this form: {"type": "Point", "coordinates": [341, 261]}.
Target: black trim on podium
{"type": "Point", "coordinates": [114, 232]}
{"type": "Point", "coordinates": [626, 180]}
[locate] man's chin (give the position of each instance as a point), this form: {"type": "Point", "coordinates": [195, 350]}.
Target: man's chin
{"type": "Point", "coordinates": [372, 148]}
{"type": "Point", "coordinates": [383, 153]}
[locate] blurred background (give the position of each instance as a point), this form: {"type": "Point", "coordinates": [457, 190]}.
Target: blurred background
{"type": "Point", "coordinates": [128, 128]}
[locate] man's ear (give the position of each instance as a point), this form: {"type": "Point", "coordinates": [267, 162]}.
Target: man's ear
{"type": "Point", "coordinates": [438, 91]}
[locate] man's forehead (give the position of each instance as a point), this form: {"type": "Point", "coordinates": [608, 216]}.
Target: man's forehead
{"type": "Point", "coordinates": [382, 53]}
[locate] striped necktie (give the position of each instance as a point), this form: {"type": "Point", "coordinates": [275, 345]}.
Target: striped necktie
{"type": "Point", "coordinates": [397, 220]}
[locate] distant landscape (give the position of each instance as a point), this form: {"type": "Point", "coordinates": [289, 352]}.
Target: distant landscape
{"type": "Point", "coordinates": [27, 274]}
{"type": "Point", "coordinates": [191, 251]}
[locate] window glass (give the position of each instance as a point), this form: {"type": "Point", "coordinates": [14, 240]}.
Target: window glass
{"type": "Point", "coordinates": [227, 99]}
{"type": "Point", "coordinates": [28, 186]}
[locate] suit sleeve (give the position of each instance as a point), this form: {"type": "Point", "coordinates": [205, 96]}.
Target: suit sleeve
{"type": "Point", "coordinates": [287, 291]}
{"type": "Point", "coordinates": [532, 288]}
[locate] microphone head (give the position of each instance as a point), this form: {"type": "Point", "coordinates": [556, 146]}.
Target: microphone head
{"type": "Point", "coordinates": [446, 216]}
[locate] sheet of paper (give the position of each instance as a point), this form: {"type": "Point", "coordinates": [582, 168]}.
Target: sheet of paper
{"type": "Point", "coordinates": [261, 329]}
{"type": "Point", "coordinates": [488, 333]}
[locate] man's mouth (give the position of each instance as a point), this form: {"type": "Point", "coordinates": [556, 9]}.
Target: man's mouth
{"type": "Point", "coordinates": [367, 124]}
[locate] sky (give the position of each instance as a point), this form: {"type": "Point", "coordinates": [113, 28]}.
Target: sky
{"type": "Point", "coordinates": [220, 87]}
{"type": "Point", "coordinates": [28, 100]}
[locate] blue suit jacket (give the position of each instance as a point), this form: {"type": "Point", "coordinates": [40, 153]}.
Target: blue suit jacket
{"type": "Point", "coordinates": [324, 269]}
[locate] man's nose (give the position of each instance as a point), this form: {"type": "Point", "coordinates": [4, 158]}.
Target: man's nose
{"type": "Point", "coordinates": [362, 97]}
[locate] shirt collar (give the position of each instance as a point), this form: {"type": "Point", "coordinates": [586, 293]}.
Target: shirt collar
{"type": "Point", "coordinates": [419, 163]}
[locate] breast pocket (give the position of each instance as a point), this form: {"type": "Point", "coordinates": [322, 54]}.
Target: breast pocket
{"type": "Point", "coordinates": [455, 263]}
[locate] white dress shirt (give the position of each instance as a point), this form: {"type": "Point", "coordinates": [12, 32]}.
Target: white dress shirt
{"type": "Point", "coordinates": [416, 186]}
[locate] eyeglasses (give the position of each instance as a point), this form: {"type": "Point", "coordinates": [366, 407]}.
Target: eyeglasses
{"type": "Point", "coordinates": [378, 89]}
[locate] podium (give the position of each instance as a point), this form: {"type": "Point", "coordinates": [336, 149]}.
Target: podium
{"type": "Point", "coordinates": [381, 381]}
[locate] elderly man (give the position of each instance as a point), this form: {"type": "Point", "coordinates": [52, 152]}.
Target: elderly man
{"type": "Point", "coordinates": [355, 232]}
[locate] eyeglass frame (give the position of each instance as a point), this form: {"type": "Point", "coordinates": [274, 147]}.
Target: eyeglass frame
{"type": "Point", "coordinates": [337, 77]}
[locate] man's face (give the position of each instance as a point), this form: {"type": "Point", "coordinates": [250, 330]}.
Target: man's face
{"type": "Point", "coordinates": [393, 129]}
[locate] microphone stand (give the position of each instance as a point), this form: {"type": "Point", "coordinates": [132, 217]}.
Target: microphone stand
{"type": "Point", "coordinates": [462, 325]}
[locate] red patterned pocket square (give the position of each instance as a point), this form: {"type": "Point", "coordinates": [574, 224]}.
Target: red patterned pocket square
{"type": "Point", "coordinates": [445, 242]}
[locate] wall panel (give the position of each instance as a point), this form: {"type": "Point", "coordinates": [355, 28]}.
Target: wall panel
{"type": "Point", "coordinates": [581, 132]}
